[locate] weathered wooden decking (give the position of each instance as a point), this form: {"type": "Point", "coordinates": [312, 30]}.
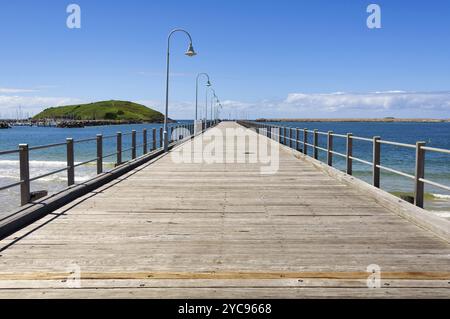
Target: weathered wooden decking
{"type": "Point", "coordinates": [224, 230]}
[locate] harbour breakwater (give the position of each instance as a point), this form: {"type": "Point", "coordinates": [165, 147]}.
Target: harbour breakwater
{"type": "Point", "coordinates": [4, 125]}
{"type": "Point", "coordinates": [73, 123]}
{"type": "Point", "coordinates": [81, 123]}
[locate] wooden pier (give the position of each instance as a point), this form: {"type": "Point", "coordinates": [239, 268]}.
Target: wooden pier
{"type": "Point", "coordinates": [224, 230]}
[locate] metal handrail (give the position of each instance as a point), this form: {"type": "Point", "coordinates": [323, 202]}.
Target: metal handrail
{"type": "Point", "coordinates": [92, 139]}
{"type": "Point", "coordinates": [43, 147]}
{"type": "Point", "coordinates": [434, 149]}
{"type": "Point", "coordinates": [48, 174]}
{"type": "Point", "coordinates": [23, 152]}
{"type": "Point", "coordinates": [85, 162]}
{"type": "Point", "coordinates": [361, 160]}
{"type": "Point", "coordinates": [420, 147]}
{"type": "Point", "coordinates": [396, 144]}
{"type": "Point", "coordinates": [338, 154]}
{"type": "Point", "coordinates": [396, 171]}
{"type": "Point", "coordinates": [5, 187]}
{"type": "Point", "coordinates": [361, 138]}
{"type": "Point", "coordinates": [426, 181]}
{"type": "Point", "coordinates": [8, 152]}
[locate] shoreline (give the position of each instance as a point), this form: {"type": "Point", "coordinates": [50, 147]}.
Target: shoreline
{"type": "Point", "coordinates": [358, 120]}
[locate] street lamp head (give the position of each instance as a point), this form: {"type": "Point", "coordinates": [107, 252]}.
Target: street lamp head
{"type": "Point", "coordinates": [191, 52]}
{"type": "Point", "coordinates": [208, 84]}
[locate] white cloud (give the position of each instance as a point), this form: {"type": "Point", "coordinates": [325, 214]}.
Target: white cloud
{"type": "Point", "coordinates": [378, 101]}
{"type": "Point", "coordinates": [31, 104]}
{"type": "Point", "coordinates": [15, 91]}
{"type": "Point", "coordinates": [341, 104]}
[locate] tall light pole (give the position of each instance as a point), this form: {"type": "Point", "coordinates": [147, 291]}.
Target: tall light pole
{"type": "Point", "coordinates": [208, 84]}
{"type": "Point", "coordinates": [206, 110]}
{"type": "Point", "coordinates": [214, 96]}
{"type": "Point", "coordinates": [190, 52]}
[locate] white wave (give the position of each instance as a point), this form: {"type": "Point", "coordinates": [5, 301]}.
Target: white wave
{"type": "Point", "coordinates": [443, 214]}
{"type": "Point", "coordinates": [9, 169]}
{"type": "Point", "coordinates": [441, 196]}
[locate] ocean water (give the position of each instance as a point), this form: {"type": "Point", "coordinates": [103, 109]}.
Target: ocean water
{"type": "Point", "coordinates": [48, 160]}
{"type": "Point", "coordinates": [403, 159]}
{"type": "Point", "coordinates": [398, 158]}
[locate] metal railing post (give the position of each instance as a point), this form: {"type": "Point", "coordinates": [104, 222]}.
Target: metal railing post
{"type": "Point", "coordinates": [285, 136]}
{"type": "Point", "coordinates": [70, 162]}
{"type": "Point", "coordinates": [280, 140]}
{"type": "Point", "coordinates": [119, 148]}
{"type": "Point", "coordinates": [376, 161]}
{"type": "Point", "coordinates": [99, 153]}
{"type": "Point", "coordinates": [290, 137]}
{"type": "Point", "coordinates": [133, 144]}
{"type": "Point", "coordinates": [420, 174]}
{"type": "Point", "coordinates": [305, 141]}
{"type": "Point", "coordinates": [144, 139]}
{"type": "Point", "coordinates": [161, 137]}
{"type": "Point", "coordinates": [349, 154]}
{"type": "Point", "coordinates": [330, 148]}
{"type": "Point", "coordinates": [297, 139]}
{"type": "Point", "coordinates": [24, 160]}
{"type": "Point", "coordinates": [315, 143]}
{"type": "Point", "coordinates": [154, 139]}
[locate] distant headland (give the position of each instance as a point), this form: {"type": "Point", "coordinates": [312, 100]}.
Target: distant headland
{"type": "Point", "coordinates": [381, 120]}
{"type": "Point", "coordinates": [99, 113]}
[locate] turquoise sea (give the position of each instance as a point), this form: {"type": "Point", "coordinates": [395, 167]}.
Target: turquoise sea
{"type": "Point", "coordinates": [403, 159]}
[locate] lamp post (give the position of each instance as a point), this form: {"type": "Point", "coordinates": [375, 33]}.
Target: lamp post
{"type": "Point", "coordinates": [214, 96]}
{"type": "Point", "coordinates": [208, 84]}
{"type": "Point", "coordinates": [190, 52]}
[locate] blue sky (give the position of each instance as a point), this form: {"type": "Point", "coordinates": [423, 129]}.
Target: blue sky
{"type": "Point", "coordinates": [275, 58]}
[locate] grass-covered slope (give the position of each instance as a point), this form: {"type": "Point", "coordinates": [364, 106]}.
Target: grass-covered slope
{"type": "Point", "coordinates": [105, 110]}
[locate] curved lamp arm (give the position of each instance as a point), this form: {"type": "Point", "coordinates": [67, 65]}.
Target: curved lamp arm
{"type": "Point", "coordinates": [191, 48]}
{"type": "Point", "coordinates": [190, 52]}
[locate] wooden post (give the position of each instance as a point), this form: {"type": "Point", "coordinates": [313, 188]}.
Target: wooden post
{"type": "Point", "coordinates": [119, 148]}
{"type": "Point", "coordinates": [330, 148]}
{"type": "Point", "coordinates": [154, 139]}
{"type": "Point", "coordinates": [161, 133]}
{"type": "Point", "coordinates": [315, 143]}
{"type": "Point", "coordinates": [376, 161]}
{"type": "Point", "coordinates": [420, 174]}
{"type": "Point", "coordinates": [305, 141]}
{"type": "Point", "coordinates": [290, 137]}
{"type": "Point", "coordinates": [24, 165]}
{"type": "Point", "coordinates": [133, 144]}
{"type": "Point", "coordinates": [99, 153]}
{"type": "Point", "coordinates": [70, 162]}
{"type": "Point", "coordinates": [144, 139]}
{"type": "Point", "coordinates": [349, 154]}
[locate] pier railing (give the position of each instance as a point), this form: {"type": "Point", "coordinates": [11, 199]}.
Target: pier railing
{"type": "Point", "coordinates": [298, 139]}
{"type": "Point", "coordinates": [147, 145]}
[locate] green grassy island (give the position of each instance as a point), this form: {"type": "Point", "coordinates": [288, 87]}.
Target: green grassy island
{"type": "Point", "coordinates": [120, 111]}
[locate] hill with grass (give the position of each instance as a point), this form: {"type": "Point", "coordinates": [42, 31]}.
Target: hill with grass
{"type": "Point", "coordinates": [104, 110]}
